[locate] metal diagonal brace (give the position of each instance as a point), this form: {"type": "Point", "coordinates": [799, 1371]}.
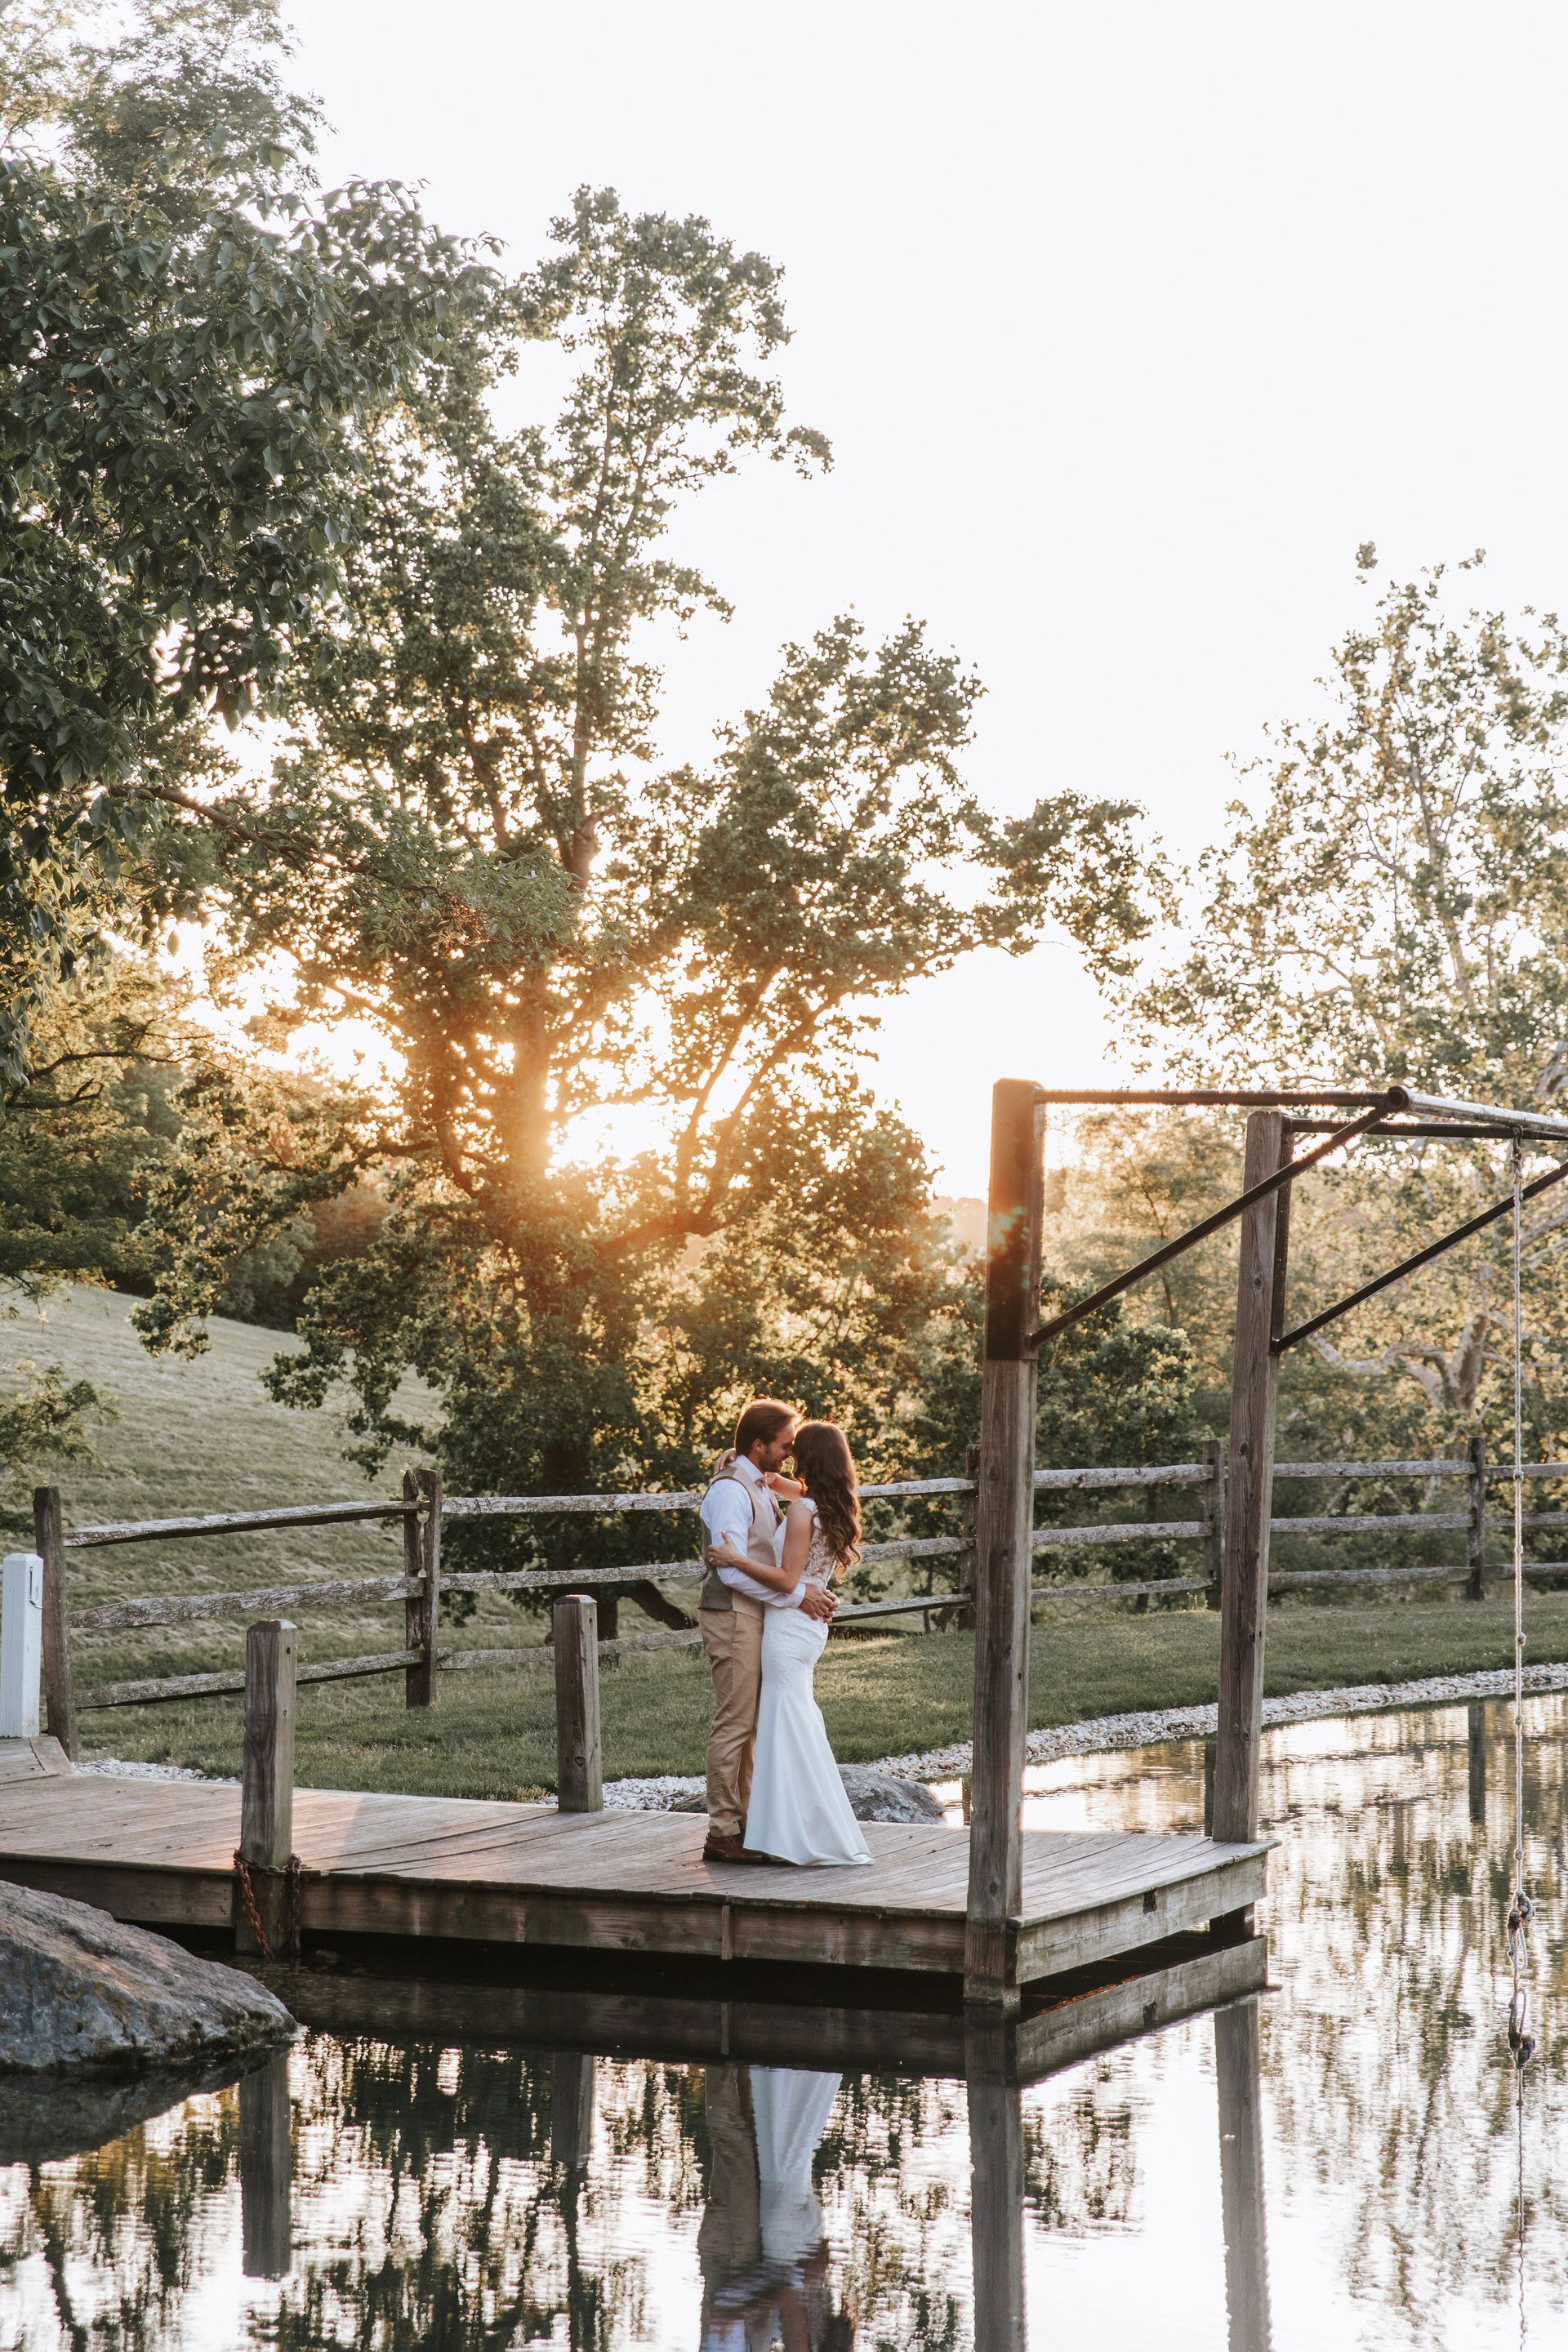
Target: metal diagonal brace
{"type": "Point", "coordinates": [1422, 1258]}
{"type": "Point", "coordinates": [1393, 1099]}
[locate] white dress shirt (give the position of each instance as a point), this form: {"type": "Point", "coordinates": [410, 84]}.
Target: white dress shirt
{"type": "Point", "coordinates": [726, 1514]}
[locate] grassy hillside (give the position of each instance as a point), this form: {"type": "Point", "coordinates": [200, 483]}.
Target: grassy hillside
{"type": "Point", "coordinates": [203, 1436]}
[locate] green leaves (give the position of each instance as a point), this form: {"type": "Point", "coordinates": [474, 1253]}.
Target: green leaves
{"type": "Point", "coordinates": [188, 365]}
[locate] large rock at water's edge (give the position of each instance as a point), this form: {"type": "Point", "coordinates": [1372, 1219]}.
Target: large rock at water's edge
{"type": "Point", "coordinates": [82, 1989]}
{"type": "Point", "coordinates": [874, 1797]}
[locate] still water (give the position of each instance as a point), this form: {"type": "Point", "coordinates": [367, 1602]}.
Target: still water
{"type": "Point", "coordinates": [476, 2196]}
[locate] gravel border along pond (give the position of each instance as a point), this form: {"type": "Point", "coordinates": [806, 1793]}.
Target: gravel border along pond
{"type": "Point", "coordinates": [1095, 1738]}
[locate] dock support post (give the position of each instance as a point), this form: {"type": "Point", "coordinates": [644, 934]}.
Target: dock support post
{"type": "Point", "coordinates": [579, 1763]}
{"type": "Point", "coordinates": [21, 1643]}
{"type": "Point", "coordinates": [1476, 1590]}
{"type": "Point", "coordinates": [1005, 1517]}
{"type": "Point", "coordinates": [1237, 2072]}
{"type": "Point", "coordinates": [1249, 1482]}
{"type": "Point", "coordinates": [47, 1542]}
{"type": "Point", "coordinates": [266, 2171]}
{"type": "Point", "coordinates": [264, 1922]}
{"type": "Point", "coordinates": [996, 2188]}
{"type": "Point", "coordinates": [1211, 1455]}
{"type": "Point", "coordinates": [422, 1563]}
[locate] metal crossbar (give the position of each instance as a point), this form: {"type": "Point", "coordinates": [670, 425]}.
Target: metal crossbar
{"type": "Point", "coordinates": [1422, 1257]}
{"type": "Point", "coordinates": [1382, 1104]}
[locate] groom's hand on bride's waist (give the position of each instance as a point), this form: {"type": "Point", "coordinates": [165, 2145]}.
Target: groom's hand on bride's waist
{"type": "Point", "coordinates": [817, 1602]}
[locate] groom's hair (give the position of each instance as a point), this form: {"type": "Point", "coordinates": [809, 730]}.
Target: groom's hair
{"type": "Point", "coordinates": [761, 1423]}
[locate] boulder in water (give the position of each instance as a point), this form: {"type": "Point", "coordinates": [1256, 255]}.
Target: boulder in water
{"type": "Point", "coordinates": [83, 1990]}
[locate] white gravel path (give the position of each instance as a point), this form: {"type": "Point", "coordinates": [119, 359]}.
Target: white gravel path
{"type": "Point", "coordinates": [1094, 1737]}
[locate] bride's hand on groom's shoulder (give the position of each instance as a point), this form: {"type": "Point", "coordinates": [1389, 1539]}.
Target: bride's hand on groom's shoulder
{"type": "Point", "coordinates": [780, 1484]}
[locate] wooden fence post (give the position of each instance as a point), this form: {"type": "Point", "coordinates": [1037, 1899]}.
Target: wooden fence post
{"type": "Point", "coordinates": [421, 1561]}
{"type": "Point", "coordinates": [1004, 1550]}
{"type": "Point", "coordinates": [1249, 1482]}
{"type": "Point", "coordinates": [1212, 1454]}
{"type": "Point", "coordinates": [1237, 2068]}
{"type": "Point", "coordinates": [266, 2171]}
{"type": "Point", "coordinates": [47, 1533]}
{"type": "Point", "coordinates": [263, 1923]}
{"type": "Point", "coordinates": [1477, 1538]}
{"type": "Point", "coordinates": [579, 1766]}
{"type": "Point", "coordinates": [968, 1517]}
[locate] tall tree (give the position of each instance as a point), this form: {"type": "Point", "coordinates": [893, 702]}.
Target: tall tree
{"type": "Point", "coordinates": [1390, 900]}
{"type": "Point", "coordinates": [639, 1170]}
{"type": "Point", "coordinates": [191, 339]}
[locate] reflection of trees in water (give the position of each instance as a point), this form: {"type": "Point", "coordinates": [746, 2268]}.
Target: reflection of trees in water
{"type": "Point", "coordinates": [432, 2208]}
{"type": "Point", "coordinates": [123, 2234]}
{"type": "Point", "coordinates": [1080, 2168]}
{"type": "Point", "coordinates": [1386, 2069]}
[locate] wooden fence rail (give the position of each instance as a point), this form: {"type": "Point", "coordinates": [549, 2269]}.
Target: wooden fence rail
{"type": "Point", "coordinates": [423, 1509]}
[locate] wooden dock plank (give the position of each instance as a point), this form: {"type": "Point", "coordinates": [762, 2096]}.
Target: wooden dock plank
{"type": "Point", "coordinates": [163, 1851]}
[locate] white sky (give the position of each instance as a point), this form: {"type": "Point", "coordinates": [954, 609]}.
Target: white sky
{"type": "Point", "coordinates": [1127, 323]}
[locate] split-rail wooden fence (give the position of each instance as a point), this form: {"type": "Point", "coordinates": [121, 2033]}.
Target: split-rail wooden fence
{"type": "Point", "coordinates": [424, 1511]}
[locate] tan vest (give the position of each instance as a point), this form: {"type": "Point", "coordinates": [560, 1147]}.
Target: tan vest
{"type": "Point", "coordinates": [716, 1593]}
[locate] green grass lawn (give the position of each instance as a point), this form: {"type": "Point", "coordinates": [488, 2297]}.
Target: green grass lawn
{"type": "Point", "coordinates": [492, 1735]}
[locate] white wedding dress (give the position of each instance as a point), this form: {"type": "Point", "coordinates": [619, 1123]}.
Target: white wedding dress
{"type": "Point", "coordinates": [798, 1810]}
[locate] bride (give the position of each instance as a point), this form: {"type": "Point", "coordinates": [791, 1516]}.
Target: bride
{"type": "Point", "coordinates": [798, 1810]}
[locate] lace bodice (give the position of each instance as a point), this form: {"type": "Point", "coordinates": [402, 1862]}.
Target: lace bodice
{"type": "Point", "coordinates": [819, 1559]}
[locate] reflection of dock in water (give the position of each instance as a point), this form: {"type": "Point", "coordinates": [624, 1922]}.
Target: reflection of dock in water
{"type": "Point", "coordinates": [904, 2026]}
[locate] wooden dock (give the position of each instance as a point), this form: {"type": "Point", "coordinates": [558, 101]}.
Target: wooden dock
{"type": "Point", "coordinates": [161, 1852]}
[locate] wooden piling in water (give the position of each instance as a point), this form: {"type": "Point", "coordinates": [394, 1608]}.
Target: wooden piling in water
{"type": "Point", "coordinates": [579, 1762]}
{"type": "Point", "coordinates": [266, 1790]}
{"type": "Point", "coordinates": [1002, 1550]}
{"type": "Point", "coordinates": [1250, 1481]}
{"type": "Point", "coordinates": [266, 2171]}
{"type": "Point", "coordinates": [1237, 2071]}
{"type": "Point", "coordinates": [997, 2188]}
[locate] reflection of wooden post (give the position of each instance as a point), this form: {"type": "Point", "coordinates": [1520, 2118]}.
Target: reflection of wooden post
{"type": "Point", "coordinates": [1249, 1483]}
{"type": "Point", "coordinates": [1209, 1787]}
{"type": "Point", "coordinates": [421, 1561]}
{"type": "Point", "coordinates": [266, 2171]}
{"type": "Point", "coordinates": [1003, 1531]}
{"type": "Point", "coordinates": [579, 1768]}
{"type": "Point", "coordinates": [572, 2108]}
{"type": "Point", "coordinates": [997, 2190]}
{"type": "Point", "coordinates": [1476, 1590]}
{"type": "Point", "coordinates": [47, 1542]}
{"type": "Point", "coordinates": [267, 1787]}
{"type": "Point", "coordinates": [1237, 2068]}
{"type": "Point", "coordinates": [1476, 1715]}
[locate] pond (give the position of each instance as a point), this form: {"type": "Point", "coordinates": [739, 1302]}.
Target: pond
{"type": "Point", "coordinates": [1405, 2187]}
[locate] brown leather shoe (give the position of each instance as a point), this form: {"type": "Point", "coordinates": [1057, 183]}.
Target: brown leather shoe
{"type": "Point", "coordinates": [730, 1849]}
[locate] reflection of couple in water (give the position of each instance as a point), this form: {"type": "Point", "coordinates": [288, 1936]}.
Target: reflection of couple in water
{"type": "Point", "coordinates": [764, 2255]}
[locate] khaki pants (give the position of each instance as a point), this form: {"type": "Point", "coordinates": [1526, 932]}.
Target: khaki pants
{"type": "Point", "coordinates": [733, 1641]}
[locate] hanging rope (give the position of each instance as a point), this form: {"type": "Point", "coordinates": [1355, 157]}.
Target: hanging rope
{"type": "Point", "coordinates": [1521, 1910]}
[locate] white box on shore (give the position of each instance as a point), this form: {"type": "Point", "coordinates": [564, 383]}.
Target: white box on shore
{"type": "Point", "coordinates": [21, 1643]}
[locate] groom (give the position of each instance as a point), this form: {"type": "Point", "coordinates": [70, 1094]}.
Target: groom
{"type": "Point", "coordinates": [740, 1518]}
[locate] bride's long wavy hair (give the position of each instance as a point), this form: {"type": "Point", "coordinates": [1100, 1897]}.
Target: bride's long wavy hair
{"type": "Point", "coordinates": [825, 1468]}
